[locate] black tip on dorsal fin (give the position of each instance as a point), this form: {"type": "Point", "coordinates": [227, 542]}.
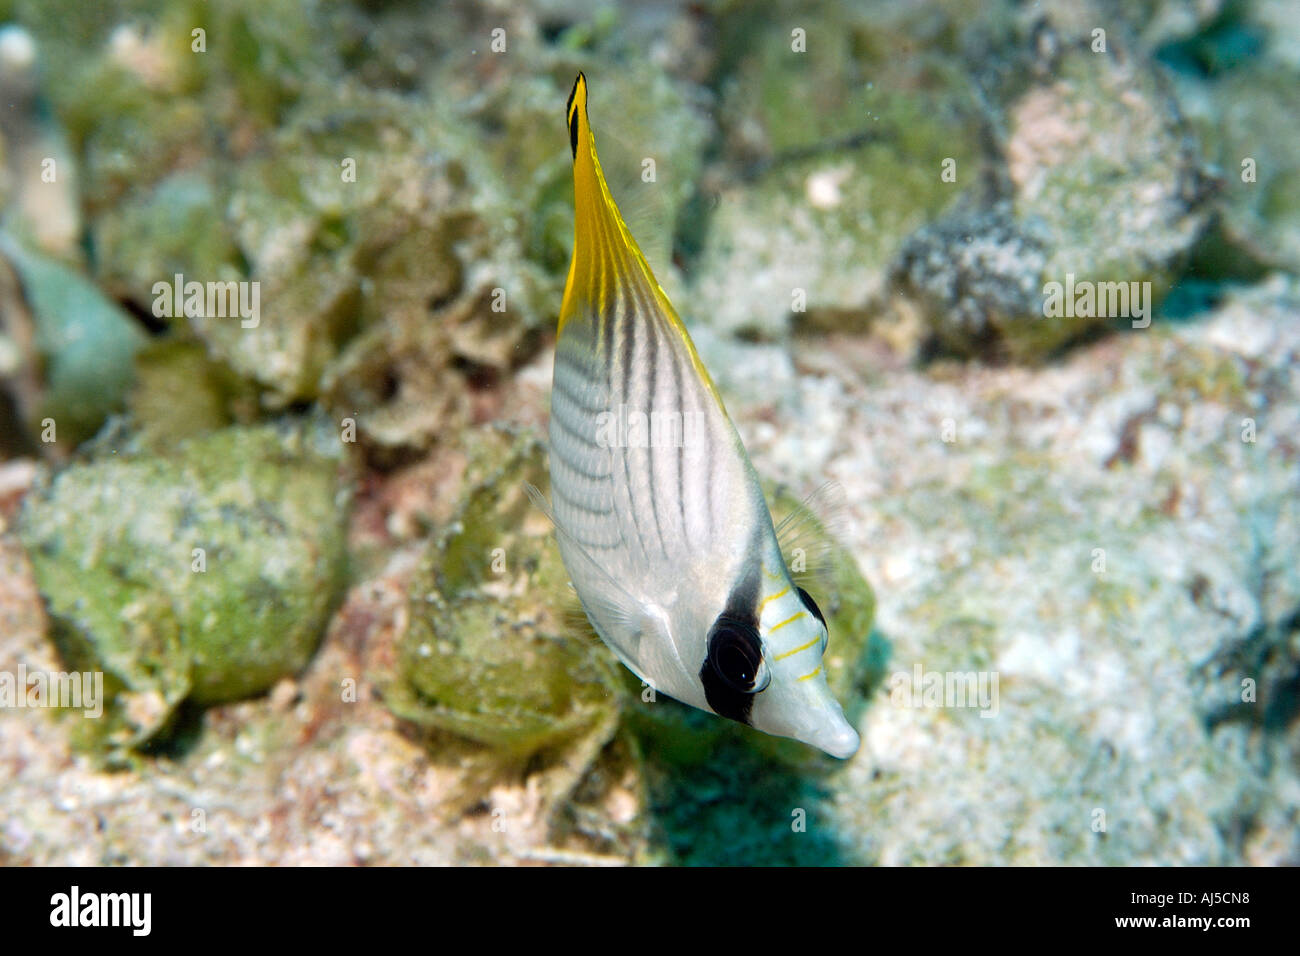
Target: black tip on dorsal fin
{"type": "Point", "coordinates": [571, 114]}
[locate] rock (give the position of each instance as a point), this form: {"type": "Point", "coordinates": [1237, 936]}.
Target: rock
{"type": "Point", "coordinates": [491, 649]}
{"type": "Point", "coordinates": [1112, 539]}
{"type": "Point", "coordinates": [407, 251]}
{"type": "Point", "coordinates": [1099, 158]}
{"type": "Point", "coordinates": [496, 665]}
{"type": "Point", "coordinates": [837, 154]}
{"type": "Point", "coordinates": [203, 575]}
{"type": "Point", "coordinates": [977, 274]}
{"type": "Point", "coordinates": [1103, 185]}
{"type": "Point", "coordinates": [180, 393]}
{"type": "Point", "coordinates": [1235, 116]}
{"type": "Point", "coordinates": [179, 227]}
{"type": "Point", "coordinates": [84, 343]}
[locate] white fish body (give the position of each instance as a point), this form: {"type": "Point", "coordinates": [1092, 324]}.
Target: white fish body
{"type": "Point", "coordinates": [661, 521]}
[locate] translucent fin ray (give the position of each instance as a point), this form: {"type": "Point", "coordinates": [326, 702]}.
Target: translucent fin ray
{"type": "Point", "coordinates": [808, 531]}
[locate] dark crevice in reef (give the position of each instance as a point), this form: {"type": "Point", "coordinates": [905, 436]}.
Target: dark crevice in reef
{"type": "Point", "coordinates": [1223, 44]}
{"type": "Point", "coordinates": [1260, 655]}
{"type": "Point", "coordinates": [181, 735]}
{"type": "Point", "coordinates": [156, 327]}
{"type": "Point", "coordinates": [1215, 265]}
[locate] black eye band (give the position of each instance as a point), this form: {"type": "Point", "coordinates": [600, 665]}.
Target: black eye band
{"type": "Point", "coordinates": [733, 670]}
{"type": "Point", "coordinates": [736, 654]}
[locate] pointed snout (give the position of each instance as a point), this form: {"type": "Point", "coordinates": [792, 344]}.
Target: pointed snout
{"type": "Point", "coordinates": [835, 735]}
{"type": "Point", "coordinates": [812, 717]}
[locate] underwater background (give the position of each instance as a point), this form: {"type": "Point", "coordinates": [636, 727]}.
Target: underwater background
{"type": "Point", "coordinates": [278, 291]}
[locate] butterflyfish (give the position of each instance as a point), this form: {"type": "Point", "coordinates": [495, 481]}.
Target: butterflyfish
{"type": "Point", "coordinates": [660, 518]}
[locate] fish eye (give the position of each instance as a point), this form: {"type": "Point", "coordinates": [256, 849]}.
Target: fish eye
{"type": "Point", "coordinates": [811, 605]}
{"type": "Point", "coordinates": [736, 655]}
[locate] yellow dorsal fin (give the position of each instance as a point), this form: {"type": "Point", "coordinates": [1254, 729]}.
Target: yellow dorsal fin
{"type": "Point", "coordinates": [600, 236]}
{"type": "Point", "coordinates": [603, 247]}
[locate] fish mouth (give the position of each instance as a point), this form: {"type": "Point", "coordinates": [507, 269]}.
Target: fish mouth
{"type": "Point", "coordinates": [808, 713]}
{"type": "Point", "coordinates": [832, 732]}
{"type": "Point", "coordinates": [840, 740]}
{"type": "Point", "coordinates": [827, 730]}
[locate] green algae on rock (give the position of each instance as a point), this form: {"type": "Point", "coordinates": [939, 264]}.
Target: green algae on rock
{"type": "Point", "coordinates": [180, 393]}
{"type": "Point", "coordinates": [976, 273]}
{"type": "Point", "coordinates": [1237, 119]}
{"type": "Point", "coordinates": [494, 648]}
{"type": "Point", "coordinates": [841, 154]}
{"type": "Point", "coordinates": [1101, 159]}
{"type": "Point", "coordinates": [142, 95]}
{"type": "Point", "coordinates": [154, 233]}
{"type": "Point", "coordinates": [1102, 184]}
{"type": "Point", "coordinates": [205, 575]}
